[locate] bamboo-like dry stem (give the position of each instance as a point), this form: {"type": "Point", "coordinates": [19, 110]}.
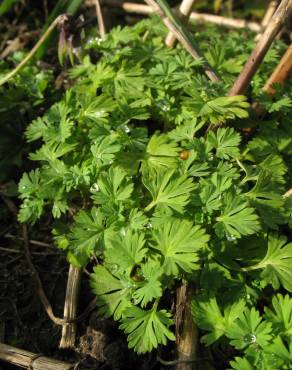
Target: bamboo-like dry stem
{"type": "Point", "coordinates": [60, 19]}
{"type": "Point", "coordinates": [226, 22]}
{"type": "Point", "coordinates": [186, 331]}
{"type": "Point", "coordinates": [26, 359]}
{"type": "Point", "coordinates": [100, 20]}
{"type": "Point", "coordinates": [143, 9]}
{"type": "Point", "coordinates": [70, 307]}
{"type": "Point", "coordinates": [272, 6]}
{"type": "Point", "coordinates": [278, 20]}
{"type": "Point", "coordinates": [184, 12]}
{"type": "Point", "coordinates": [269, 12]}
{"type": "Point", "coordinates": [182, 35]}
{"type": "Point", "coordinates": [280, 73]}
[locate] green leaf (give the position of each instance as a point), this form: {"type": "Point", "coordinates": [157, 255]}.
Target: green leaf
{"type": "Point", "coordinates": [241, 364]}
{"type": "Point", "coordinates": [208, 316]}
{"type": "Point", "coordinates": [113, 293]}
{"type": "Point", "coordinates": [168, 189]}
{"type": "Point", "coordinates": [178, 243]}
{"type": "Point", "coordinates": [281, 315]}
{"type": "Point", "coordinates": [87, 231]}
{"type": "Point", "coordinates": [276, 264]}
{"type": "Point", "coordinates": [150, 288]}
{"type": "Point", "coordinates": [113, 187]}
{"type": "Point", "coordinates": [126, 250]}
{"type": "Point", "coordinates": [105, 150]}
{"type": "Point", "coordinates": [225, 141]}
{"type": "Point", "coordinates": [137, 219]}
{"type": "Point", "coordinates": [6, 6]}
{"type": "Point", "coordinates": [249, 330]}
{"type": "Point", "coordinates": [146, 329]}
{"type": "Point", "coordinates": [161, 151]}
{"type": "Point", "coordinates": [237, 218]}
{"type": "Point", "coordinates": [280, 350]}
{"type": "Point", "coordinates": [30, 184]}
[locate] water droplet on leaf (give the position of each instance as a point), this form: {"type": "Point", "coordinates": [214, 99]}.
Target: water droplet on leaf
{"type": "Point", "coordinates": [250, 338]}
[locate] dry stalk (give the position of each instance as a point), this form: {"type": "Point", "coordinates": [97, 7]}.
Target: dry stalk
{"type": "Point", "coordinates": [26, 359]}
{"type": "Point", "coordinates": [272, 6]}
{"type": "Point", "coordinates": [226, 22]}
{"type": "Point", "coordinates": [70, 307]}
{"type": "Point", "coordinates": [184, 12]}
{"type": "Point", "coordinates": [278, 20]}
{"type": "Point", "coordinates": [186, 330]}
{"type": "Point", "coordinates": [100, 20]}
{"type": "Point", "coordinates": [281, 72]}
{"type": "Point", "coordinates": [38, 284]}
{"type": "Point", "coordinates": [199, 17]}
{"type": "Point", "coordinates": [177, 28]}
{"type": "Point", "coordinates": [60, 19]}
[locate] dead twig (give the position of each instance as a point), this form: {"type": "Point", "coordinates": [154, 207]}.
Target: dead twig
{"type": "Point", "coordinates": [31, 241]}
{"type": "Point", "coordinates": [100, 20]}
{"type": "Point", "coordinates": [29, 360]}
{"type": "Point", "coordinates": [177, 28]}
{"type": "Point", "coordinates": [184, 12]}
{"type": "Point", "coordinates": [18, 43]}
{"type": "Point", "coordinates": [39, 287]}
{"type": "Point", "coordinates": [198, 17]}
{"type": "Point", "coordinates": [280, 73]}
{"type": "Point", "coordinates": [278, 20]}
{"type": "Point", "coordinates": [60, 19]}
{"type": "Point", "coordinates": [269, 12]}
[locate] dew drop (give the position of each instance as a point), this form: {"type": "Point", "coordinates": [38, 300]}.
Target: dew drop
{"type": "Point", "coordinates": [148, 225]}
{"type": "Point", "coordinates": [99, 113]}
{"type": "Point", "coordinates": [162, 104]}
{"type": "Point", "coordinates": [94, 188]}
{"type": "Point", "coordinates": [250, 338]}
{"type": "Point", "coordinates": [230, 237]}
{"type": "Point", "coordinates": [126, 129]}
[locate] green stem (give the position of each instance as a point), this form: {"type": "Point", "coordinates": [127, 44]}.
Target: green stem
{"type": "Point", "coordinates": [150, 205]}
{"type": "Point", "coordinates": [58, 20]}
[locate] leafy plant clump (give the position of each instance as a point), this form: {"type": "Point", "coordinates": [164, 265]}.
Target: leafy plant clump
{"type": "Point", "coordinates": [145, 165]}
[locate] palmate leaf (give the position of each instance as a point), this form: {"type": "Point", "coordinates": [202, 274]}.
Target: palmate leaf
{"type": "Point", "coordinates": [161, 152]}
{"type": "Point", "coordinates": [220, 109]}
{"type": "Point", "coordinates": [281, 315]}
{"type": "Point", "coordinates": [281, 351]}
{"type": "Point", "coordinates": [277, 263]}
{"type": "Point", "coordinates": [30, 184]}
{"type": "Point", "coordinates": [105, 150]}
{"type": "Point", "coordinates": [137, 219]}
{"type": "Point", "coordinates": [150, 288]}
{"type": "Point", "coordinates": [249, 329]}
{"type": "Point", "coordinates": [146, 329]}
{"type": "Point", "coordinates": [87, 231]}
{"type": "Point", "coordinates": [113, 293]}
{"type": "Point", "coordinates": [113, 187]}
{"type": "Point", "coordinates": [237, 218]}
{"type": "Point", "coordinates": [208, 316]}
{"type": "Point", "coordinates": [225, 141]}
{"type": "Point", "coordinates": [178, 242]}
{"type": "Point", "coordinates": [168, 189]}
{"type": "Point", "coordinates": [240, 363]}
{"type": "Point", "coordinates": [124, 251]}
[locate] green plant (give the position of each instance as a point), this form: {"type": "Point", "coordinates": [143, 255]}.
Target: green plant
{"type": "Point", "coordinates": [141, 169]}
{"type": "Point", "coordinates": [22, 99]}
